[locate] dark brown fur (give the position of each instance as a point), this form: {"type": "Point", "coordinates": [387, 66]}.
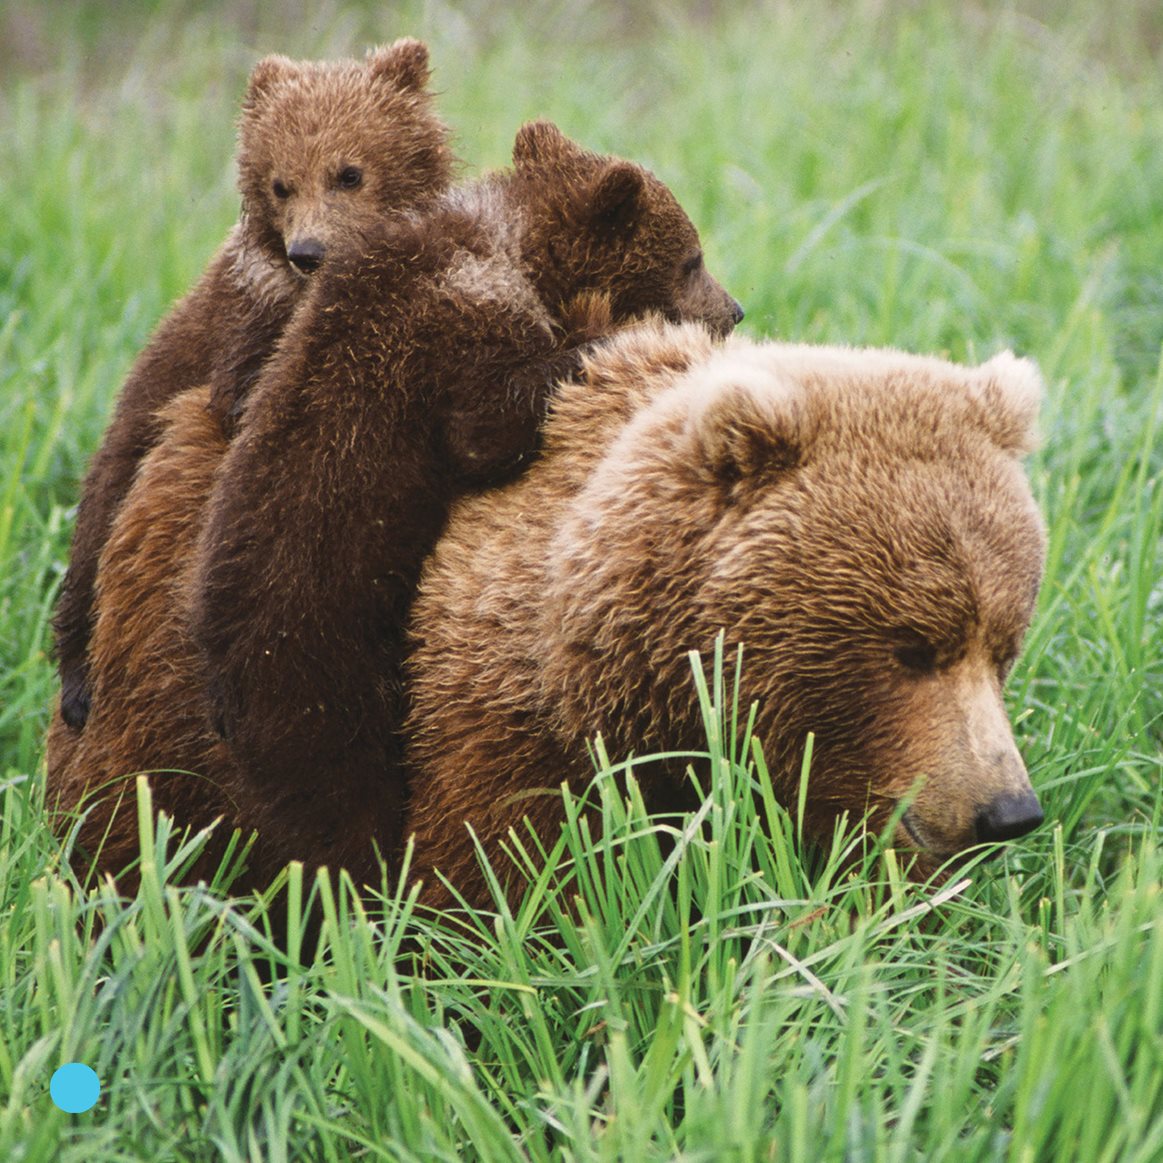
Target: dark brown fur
{"type": "Point", "coordinates": [415, 370]}
{"type": "Point", "coordinates": [345, 143]}
{"type": "Point", "coordinates": [858, 520]}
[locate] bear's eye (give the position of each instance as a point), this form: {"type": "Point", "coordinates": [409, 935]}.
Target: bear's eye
{"type": "Point", "coordinates": [1004, 661]}
{"type": "Point", "coordinates": [917, 655]}
{"type": "Point", "coordinates": [280, 188]}
{"type": "Point", "coordinates": [349, 178]}
{"type": "Point", "coordinates": [693, 264]}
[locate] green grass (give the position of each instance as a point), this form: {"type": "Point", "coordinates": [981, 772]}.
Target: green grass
{"type": "Point", "coordinates": [936, 177]}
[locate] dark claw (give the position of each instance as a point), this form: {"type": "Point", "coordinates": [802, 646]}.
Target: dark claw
{"type": "Point", "coordinates": [220, 722]}
{"type": "Point", "coordinates": [75, 700]}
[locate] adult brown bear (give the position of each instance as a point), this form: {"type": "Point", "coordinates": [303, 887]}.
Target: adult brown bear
{"type": "Point", "coordinates": [857, 519]}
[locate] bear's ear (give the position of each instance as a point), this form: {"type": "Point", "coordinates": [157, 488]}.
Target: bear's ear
{"type": "Point", "coordinates": [1008, 393]}
{"type": "Point", "coordinates": [266, 75]}
{"type": "Point", "coordinates": [614, 196]}
{"type": "Point", "coordinates": [746, 420]}
{"type": "Point", "coordinates": [540, 143]}
{"type": "Point", "coordinates": [404, 63]}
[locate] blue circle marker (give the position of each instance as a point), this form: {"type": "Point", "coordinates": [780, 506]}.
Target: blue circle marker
{"type": "Point", "coordinates": [75, 1087]}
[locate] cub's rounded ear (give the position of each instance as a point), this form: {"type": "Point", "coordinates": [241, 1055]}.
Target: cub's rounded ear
{"type": "Point", "coordinates": [745, 420]}
{"type": "Point", "coordinates": [266, 75]}
{"type": "Point", "coordinates": [538, 143]}
{"type": "Point", "coordinates": [614, 197]}
{"type": "Point", "coordinates": [403, 63]}
{"type": "Point", "coordinates": [1008, 394]}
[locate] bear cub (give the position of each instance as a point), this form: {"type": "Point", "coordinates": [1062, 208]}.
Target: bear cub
{"type": "Point", "coordinates": [418, 368]}
{"type": "Point", "coordinates": [857, 520]}
{"type": "Point", "coordinates": [326, 150]}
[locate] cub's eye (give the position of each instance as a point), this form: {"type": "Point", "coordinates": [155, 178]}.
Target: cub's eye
{"type": "Point", "coordinates": [280, 188]}
{"type": "Point", "coordinates": [349, 178]}
{"type": "Point", "coordinates": [693, 264]}
{"type": "Point", "coordinates": [917, 655]}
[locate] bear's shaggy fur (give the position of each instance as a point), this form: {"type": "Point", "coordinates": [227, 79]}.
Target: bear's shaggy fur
{"type": "Point", "coordinates": [417, 367]}
{"type": "Point", "coordinates": [857, 519]}
{"type": "Point", "coordinates": [326, 150]}
{"type": "Point", "coordinates": [415, 371]}
{"type": "Point", "coordinates": [144, 668]}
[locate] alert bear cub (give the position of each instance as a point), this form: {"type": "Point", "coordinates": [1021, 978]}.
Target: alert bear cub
{"type": "Point", "coordinates": [439, 340]}
{"type": "Point", "coordinates": [326, 149]}
{"type": "Point", "coordinates": [419, 368]}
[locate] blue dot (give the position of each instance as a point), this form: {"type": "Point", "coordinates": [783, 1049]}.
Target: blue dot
{"type": "Point", "coordinates": [75, 1087]}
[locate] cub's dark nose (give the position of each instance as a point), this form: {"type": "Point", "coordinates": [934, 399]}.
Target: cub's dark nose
{"type": "Point", "coordinates": [1008, 817]}
{"type": "Point", "coordinates": [306, 254]}
{"type": "Point", "coordinates": [737, 311]}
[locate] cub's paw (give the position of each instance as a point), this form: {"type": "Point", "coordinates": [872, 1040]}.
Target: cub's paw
{"type": "Point", "coordinates": [75, 698]}
{"type": "Point", "coordinates": [219, 710]}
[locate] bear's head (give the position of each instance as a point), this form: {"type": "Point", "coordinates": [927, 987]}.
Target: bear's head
{"type": "Point", "coordinates": [327, 148]}
{"type": "Point", "coordinates": [595, 223]}
{"type": "Point", "coordinates": [860, 522]}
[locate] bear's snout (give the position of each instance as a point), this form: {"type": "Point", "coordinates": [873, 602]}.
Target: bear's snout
{"type": "Point", "coordinates": [1008, 817]}
{"type": "Point", "coordinates": [305, 254]}
{"type": "Point", "coordinates": [975, 789]}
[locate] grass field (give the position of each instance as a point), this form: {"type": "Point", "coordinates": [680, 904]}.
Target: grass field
{"type": "Point", "coordinates": [944, 178]}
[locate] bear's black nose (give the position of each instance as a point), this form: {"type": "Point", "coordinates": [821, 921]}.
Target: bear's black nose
{"type": "Point", "coordinates": [737, 310]}
{"type": "Point", "coordinates": [1008, 817]}
{"type": "Point", "coordinates": [306, 253]}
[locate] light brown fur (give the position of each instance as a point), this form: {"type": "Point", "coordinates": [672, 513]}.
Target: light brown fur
{"type": "Point", "coordinates": [143, 662]}
{"type": "Point", "coordinates": [859, 520]}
